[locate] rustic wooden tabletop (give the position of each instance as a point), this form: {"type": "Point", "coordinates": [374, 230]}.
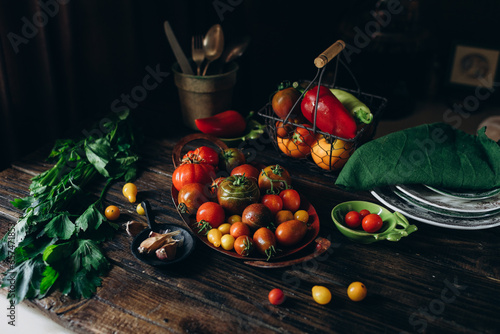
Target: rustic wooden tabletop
{"type": "Point", "coordinates": [437, 280]}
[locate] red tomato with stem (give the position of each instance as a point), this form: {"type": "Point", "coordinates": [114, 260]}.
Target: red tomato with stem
{"type": "Point", "coordinates": [202, 154]}
{"type": "Point", "coordinates": [248, 170]}
{"type": "Point", "coordinates": [209, 215]}
{"type": "Point", "coordinates": [273, 202]}
{"type": "Point", "coordinates": [243, 245]}
{"type": "Point", "coordinates": [265, 242]}
{"type": "Point", "coordinates": [192, 173]}
{"type": "Point", "coordinates": [353, 219]}
{"type": "Point", "coordinates": [291, 199]}
{"type": "Point", "coordinates": [372, 223]}
{"type": "Point", "coordinates": [276, 296]}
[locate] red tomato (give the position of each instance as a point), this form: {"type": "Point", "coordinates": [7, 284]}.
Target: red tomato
{"type": "Point", "coordinates": [239, 229]}
{"type": "Point", "coordinates": [273, 202]}
{"type": "Point", "coordinates": [372, 223]}
{"type": "Point", "coordinates": [276, 296]}
{"type": "Point", "coordinates": [290, 232]}
{"type": "Point", "coordinates": [248, 170]}
{"type": "Point", "coordinates": [364, 213]}
{"type": "Point", "coordinates": [291, 199]}
{"type": "Point", "coordinates": [209, 215]}
{"type": "Point", "coordinates": [192, 173]}
{"type": "Point", "coordinates": [202, 154]}
{"type": "Point", "coordinates": [243, 245]}
{"type": "Point", "coordinates": [215, 185]}
{"type": "Point", "coordinates": [265, 242]}
{"type": "Point", "coordinates": [353, 219]}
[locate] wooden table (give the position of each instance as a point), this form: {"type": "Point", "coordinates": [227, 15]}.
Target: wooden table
{"type": "Point", "coordinates": [436, 280]}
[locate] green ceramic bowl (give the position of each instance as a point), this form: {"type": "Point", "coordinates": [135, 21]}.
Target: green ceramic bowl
{"type": "Point", "coordinates": [394, 228]}
{"type": "Point", "coordinates": [253, 131]}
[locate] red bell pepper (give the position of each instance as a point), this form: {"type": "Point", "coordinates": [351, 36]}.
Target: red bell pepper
{"type": "Point", "coordinates": [227, 124]}
{"type": "Point", "coordinates": [332, 116]}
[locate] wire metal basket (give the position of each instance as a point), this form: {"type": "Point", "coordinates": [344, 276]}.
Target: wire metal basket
{"type": "Point", "coordinates": [324, 151]}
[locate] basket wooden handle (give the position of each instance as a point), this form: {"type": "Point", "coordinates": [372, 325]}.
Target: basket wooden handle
{"type": "Point", "coordinates": [329, 54]}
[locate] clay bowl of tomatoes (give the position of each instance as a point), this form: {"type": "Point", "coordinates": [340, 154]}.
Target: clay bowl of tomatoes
{"type": "Point", "coordinates": [239, 209]}
{"type": "Point", "coordinates": [367, 222]}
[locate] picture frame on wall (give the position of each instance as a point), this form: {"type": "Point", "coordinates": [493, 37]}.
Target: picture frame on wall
{"type": "Point", "coordinates": [473, 66]}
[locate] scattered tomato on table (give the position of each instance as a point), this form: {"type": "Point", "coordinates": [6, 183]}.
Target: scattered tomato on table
{"type": "Point", "coordinates": [321, 294]}
{"type": "Point", "coordinates": [112, 212]}
{"type": "Point", "coordinates": [357, 291]}
{"type": "Point", "coordinates": [276, 296]}
{"type": "Point", "coordinates": [129, 190]}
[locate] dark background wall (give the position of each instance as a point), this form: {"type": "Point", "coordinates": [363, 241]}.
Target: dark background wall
{"type": "Point", "coordinates": [88, 53]}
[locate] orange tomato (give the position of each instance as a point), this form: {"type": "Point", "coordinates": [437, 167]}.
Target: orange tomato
{"type": "Point", "coordinates": [331, 155]}
{"type": "Point", "coordinates": [299, 144]}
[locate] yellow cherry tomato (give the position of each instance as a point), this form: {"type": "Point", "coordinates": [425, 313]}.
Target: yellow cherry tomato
{"type": "Point", "coordinates": [140, 210]}
{"type": "Point", "coordinates": [357, 291]}
{"type": "Point", "coordinates": [129, 190]}
{"type": "Point", "coordinates": [321, 295]}
{"type": "Point", "coordinates": [112, 212]}
{"type": "Point", "coordinates": [224, 228]}
{"type": "Point", "coordinates": [214, 236]}
{"type": "Point", "coordinates": [283, 216]}
{"type": "Point", "coordinates": [302, 215]}
{"type": "Point", "coordinates": [233, 219]}
{"type": "Point", "coordinates": [227, 241]}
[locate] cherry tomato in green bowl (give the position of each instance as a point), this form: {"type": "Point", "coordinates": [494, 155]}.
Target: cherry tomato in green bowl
{"type": "Point", "coordinates": [395, 225]}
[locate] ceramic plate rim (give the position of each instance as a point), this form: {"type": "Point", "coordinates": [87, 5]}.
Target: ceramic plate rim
{"type": "Point", "coordinates": [407, 189]}
{"type": "Point", "coordinates": [427, 221]}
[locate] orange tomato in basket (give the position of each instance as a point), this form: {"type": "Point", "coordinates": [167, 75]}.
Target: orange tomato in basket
{"type": "Point", "coordinates": [299, 144]}
{"type": "Point", "coordinates": [331, 153]}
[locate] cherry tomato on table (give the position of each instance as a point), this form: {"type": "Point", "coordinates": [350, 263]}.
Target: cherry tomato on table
{"type": "Point", "coordinates": [321, 295]}
{"type": "Point", "coordinates": [356, 291]}
{"type": "Point", "coordinates": [276, 296]}
{"type": "Point", "coordinates": [112, 212]}
{"type": "Point", "coordinates": [372, 223]}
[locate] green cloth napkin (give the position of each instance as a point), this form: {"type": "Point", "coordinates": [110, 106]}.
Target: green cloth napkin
{"type": "Point", "coordinates": [433, 154]}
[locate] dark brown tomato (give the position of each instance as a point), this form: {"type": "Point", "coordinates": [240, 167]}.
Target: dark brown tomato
{"type": "Point", "coordinates": [290, 232]}
{"type": "Point", "coordinates": [283, 101]}
{"type": "Point", "coordinates": [237, 192]}
{"type": "Point", "coordinates": [256, 215]}
{"type": "Point", "coordinates": [264, 242]}
{"type": "Point", "coordinates": [192, 196]}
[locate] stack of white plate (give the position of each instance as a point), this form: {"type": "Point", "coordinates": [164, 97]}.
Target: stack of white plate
{"type": "Point", "coordinates": [443, 207]}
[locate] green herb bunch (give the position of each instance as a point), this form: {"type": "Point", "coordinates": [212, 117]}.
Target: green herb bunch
{"type": "Point", "coordinates": [55, 244]}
